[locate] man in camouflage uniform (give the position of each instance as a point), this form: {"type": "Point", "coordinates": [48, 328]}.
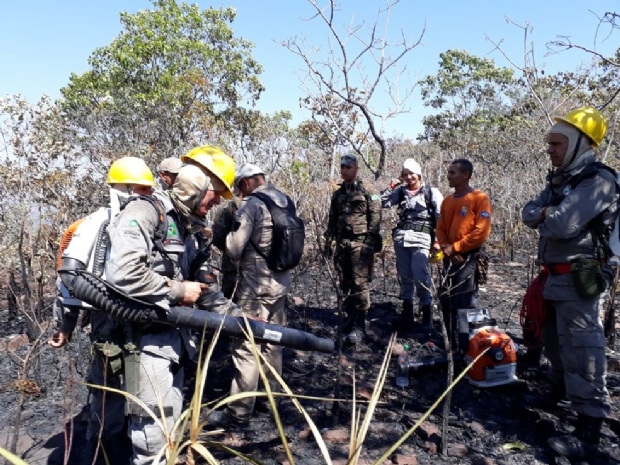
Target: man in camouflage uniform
{"type": "Point", "coordinates": [354, 223]}
{"type": "Point", "coordinates": [222, 225]}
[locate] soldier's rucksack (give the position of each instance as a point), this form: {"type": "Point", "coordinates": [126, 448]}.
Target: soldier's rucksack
{"type": "Point", "coordinates": [289, 233]}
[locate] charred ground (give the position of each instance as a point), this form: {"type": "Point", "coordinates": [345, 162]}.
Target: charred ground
{"type": "Point", "coordinates": [484, 424]}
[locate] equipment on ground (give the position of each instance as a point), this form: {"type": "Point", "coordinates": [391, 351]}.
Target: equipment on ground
{"type": "Point", "coordinates": [499, 364]}
{"type": "Point", "coordinates": [478, 331]}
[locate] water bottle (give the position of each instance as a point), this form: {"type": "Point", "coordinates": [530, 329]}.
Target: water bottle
{"type": "Point", "coordinates": [402, 370]}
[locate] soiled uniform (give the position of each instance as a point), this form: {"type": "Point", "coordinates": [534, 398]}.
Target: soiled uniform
{"type": "Point", "coordinates": [574, 339]}
{"type": "Point", "coordinates": [261, 293]}
{"type": "Point", "coordinates": [412, 238]}
{"type": "Point", "coordinates": [355, 223]}
{"type": "Point", "coordinates": [222, 225]}
{"type": "Point", "coordinates": [106, 413]}
{"type": "Point", "coordinates": [136, 267]}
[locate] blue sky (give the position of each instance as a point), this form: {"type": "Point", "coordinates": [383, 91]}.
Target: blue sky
{"type": "Point", "coordinates": [43, 42]}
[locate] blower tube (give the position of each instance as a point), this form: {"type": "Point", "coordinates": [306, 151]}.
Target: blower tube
{"type": "Point", "coordinates": [106, 298]}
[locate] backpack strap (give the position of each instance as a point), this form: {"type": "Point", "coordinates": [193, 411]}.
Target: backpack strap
{"type": "Point", "coordinates": [428, 198]}
{"type": "Point", "coordinates": [161, 229]}
{"type": "Point", "coordinates": [600, 236]}
{"type": "Point", "coordinates": [270, 204]}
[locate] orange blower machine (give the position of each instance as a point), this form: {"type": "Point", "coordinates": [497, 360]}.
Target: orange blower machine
{"type": "Point", "coordinates": [498, 365]}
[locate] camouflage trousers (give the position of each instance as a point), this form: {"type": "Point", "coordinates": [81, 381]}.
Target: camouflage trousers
{"type": "Point", "coordinates": [355, 274]}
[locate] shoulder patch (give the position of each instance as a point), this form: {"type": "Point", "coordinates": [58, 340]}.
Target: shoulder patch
{"type": "Point", "coordinates": [485, 214]}
{"type": "Point", "coordinates": [375, 197]}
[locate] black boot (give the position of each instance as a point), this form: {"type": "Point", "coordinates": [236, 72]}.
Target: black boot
{"type": "Point", "coordinates": [357, 332]}
{"type": "Point", "coordinates": [427, 317]}
{"type": "Point", "coordinates": [406, 316]}
{"type": "Point", "coordinates": [583, 442]}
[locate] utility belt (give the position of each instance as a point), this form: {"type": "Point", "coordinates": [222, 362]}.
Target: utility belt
{"type": "Point", "coordinates": [587, 274]}
{"type": "Point", "coordinates": [556, 269]}
{"type": "Point", "coordinates": [417, 227]}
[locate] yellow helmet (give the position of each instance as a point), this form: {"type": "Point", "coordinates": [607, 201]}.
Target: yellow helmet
{"type": "Point", "coordinates": [216, 162]}
{"type": "Point", "coordinates": [588, 120]}
{"type": "Point", "coordinates": [130, 170]}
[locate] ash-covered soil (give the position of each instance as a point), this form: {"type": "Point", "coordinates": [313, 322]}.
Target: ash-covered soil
{"type": "Point", "coordinates": [507, 424]}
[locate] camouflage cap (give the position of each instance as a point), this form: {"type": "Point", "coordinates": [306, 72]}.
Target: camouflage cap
{"type": "Point", "coordinates": [348, 159]}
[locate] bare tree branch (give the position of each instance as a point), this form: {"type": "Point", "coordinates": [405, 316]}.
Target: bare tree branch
{"type": "Point", "coordinates": [344, 75]}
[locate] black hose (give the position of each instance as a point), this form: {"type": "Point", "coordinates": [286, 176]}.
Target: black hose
{"type": "Point", "coordinates": [105, 297]}
{"type": "Point", "coordinates": [234, 326]}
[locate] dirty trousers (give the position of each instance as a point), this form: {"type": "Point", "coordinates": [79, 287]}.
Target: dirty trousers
{"type": "Point", "coordinates": [574, 342]}
{"type": "Point", "coordinates": [106, 410]}
{"type": "Point", "coordinates": [160, 380]}
{"type": "Point", "coordinates": [247, 376]}
{"type": "Point", "coordinates": [414, 272]}
{"type": "Point", "coordinates": [457, 290]}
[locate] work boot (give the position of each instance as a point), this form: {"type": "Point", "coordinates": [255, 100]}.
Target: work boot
{"type": "Point", "coordinates": [427, 317]}
{"type": "Point", "coordinates": [406, 316]}
{"type": "Point", "coordinates": [582, 443]}
{"type": "Point", "coordinates": [224, 419]}
{"type": "Point", "coordinates": [357, 332]}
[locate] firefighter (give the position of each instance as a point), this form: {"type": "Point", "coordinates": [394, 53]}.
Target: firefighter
{"type": "Point", "coordinates": [414, 238]}
{"type": "Point", "coordinates": [106, 410]}
{"type": "Point", "coordinates": [572, 215]}
{"type": "Point", "coordinates": [139, 267]}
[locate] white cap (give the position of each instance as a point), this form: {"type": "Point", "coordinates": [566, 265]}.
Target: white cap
{"type": "Point", "coordinates": [411, 165]}
{"type": "Point", "coordinates": [247, 171]}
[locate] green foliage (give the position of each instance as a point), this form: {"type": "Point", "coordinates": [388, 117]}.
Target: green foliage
{"type": "Point", "coordinates": [472, 95]}
{"type": "Point", "coordinates": [173, 77]}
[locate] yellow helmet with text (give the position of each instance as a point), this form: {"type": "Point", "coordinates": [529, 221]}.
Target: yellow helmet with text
{"type": "Point", "coordinates": [588, 120]}
{"type": "Point", "coordinates": [216, 162]}
{"type": "Point", "coordinates": [130, 170]}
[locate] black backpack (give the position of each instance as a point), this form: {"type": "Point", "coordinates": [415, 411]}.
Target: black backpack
{"type": "Point", "coordinates": [605, 226]}
{"type": "Point", "coordinates": [289, 233]}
